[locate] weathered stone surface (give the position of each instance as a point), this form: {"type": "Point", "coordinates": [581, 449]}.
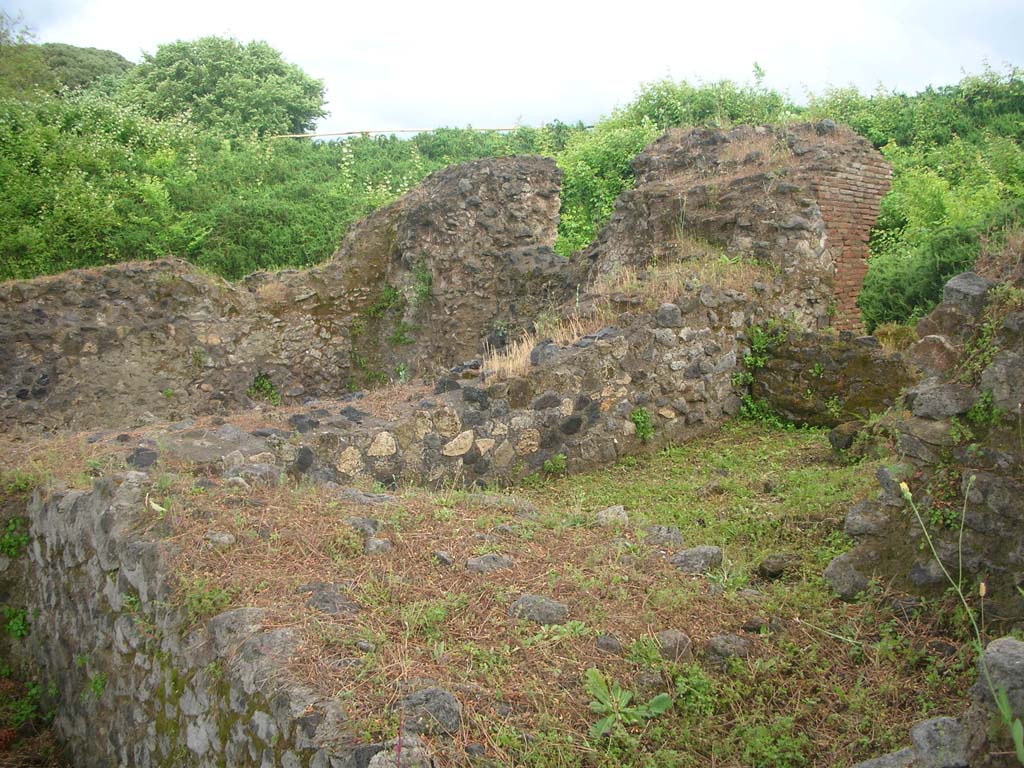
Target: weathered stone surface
{"type": "Point", "coordinates": [940, 743]}
{"type": "Point", "coordinates": [841, 438]}
{"type": "Point", "coordinates": [844, 578]}
{"type": "Point", "coordinates": [675, 645]}
{"type": "Point", "coordinates": [488, 563]}
{"type": "Point", "coordinates": [329, 598]}
{"type": "Point", "coordinates": [662, 536]}
{"type": "Point", "coordinates": [102, 535]}
{"type": "Point", "coordinates": [721, 183]}
{"type": "Point", "coordinates": [721, 648]}
{"type": "Point", "coordinates": [407, 751]}
{"type": "Point", "coordinates": [668, 316]}
{"type": "Point", "coordinates": [608, 644]}
{"type": "Point", "coordinates": [866, 518]}
{"type": "Point", "coordinates": [936, 400]}
{"type": "Point", "coordinates": [933, 354]}
{"type": "Point", "coordinates": [538, 609]}
{"type": "Point", "coordinates": [967, 292]}
{"type": "Point", "coordinates": [823, 380]}
{"type": "Point", "coordinates": [697, 560]}
{"type": "Point", "coordinates": [612, 516]}
{"type": "Point", "coordinates": [160, 339]}
{"type": "Point", "coordinates": [1004, 378]}
{"type": "Point", "coordinates": [431, 711]}
{"type": "Point", "coordinates": [904, 758]}
{"type": "Point", "coordinates": [1003, 665]}
{"type": "Point", "coordinates": [460, 445]}
{"type": "Point", "coordinates": [777, 565]}
{"type": "Point", "coordinates": [383, 445]}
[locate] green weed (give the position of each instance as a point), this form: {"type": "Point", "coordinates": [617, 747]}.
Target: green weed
{"type": "Point", "coordinates": [644, 424]}
{"type": "Point", "coordinates": [262, 388]}
{"type": "Point", "coordinates": [14, 539]}
{"type": "Point", "coordinates": [615, 707]}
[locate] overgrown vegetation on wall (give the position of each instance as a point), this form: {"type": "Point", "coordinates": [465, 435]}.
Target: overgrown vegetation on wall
{"type": "Point", "coordinates": [105, 163]}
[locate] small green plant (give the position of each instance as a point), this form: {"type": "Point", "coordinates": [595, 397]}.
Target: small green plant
{"type": "Point", "coordinates": [422, 285]}
{"type": "Point", "coordinates": [762, 412]}
{"type": "Point", "coordinates": [19, 481]}
{"type": "Point", "coordinates": [425, 617]}
{"type": "Point", "coordinates": [347, 544]}
{"type": "Point", "coordinates": [402, 335]}
{"type": "Point", "coordinates": [959, 432]}
{"type": "Point", "coordinates": [15, 622]}
{"type": "Point", "coordinates": [201, 599]}
{"type": "Point", "coordinates": [556, 465]}
{"type": "Point", "coordinates": [695, 691]}
{"type": "Point", "coordinates": [834, 407]}
{"type": "Point", "coordinates": [615, 706]}
{"type": "Point", "coordinates": [775, 745]}
{"type": "Point", "coordinates": [554, 634]}
{"type": "Point", "coordinates": [24, 709]}
{"type": "Point", "coordinates": [641, 419]}
{"type": "Point", "coordinates": [97, 684]}
{"type": "Point", "coordinates": [984, 412]}
{"type": "Point", "coordinates": [742, 379]}
{"type": "Point", "coordinates": [389, 299]}
{"type": "Point", "coordinates": [982, 348]}
{"type": "Point", "coordinates": [817, 370]}
{"type": "Point", "coordinates": [262, 388]}
{"type": "Point", "coordinates": [168, 393]}
{"type": "Point", "coordinates": [762, 338]}
{"type": "Point", "coordinates": [645, 652]}
{"type": "Point", "coordinates": [14, 539]}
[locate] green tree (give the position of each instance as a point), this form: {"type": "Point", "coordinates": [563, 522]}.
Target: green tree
{"type": "Point", "coordinates": [237, 89]}
{"type": "Point", "coordinates": [23, 69]}
{"type": "Point", "coordinates": [75, 68]}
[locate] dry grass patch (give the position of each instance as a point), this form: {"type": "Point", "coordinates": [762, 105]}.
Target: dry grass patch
{"type": "Point", "coordinates": [833, 684]}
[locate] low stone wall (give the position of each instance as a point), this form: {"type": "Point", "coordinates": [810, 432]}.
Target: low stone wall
{"type": "Point", "coordinates": [980, 738]}
{"type": "Point", "coordinates": [661, 379]}
{"type": "Point", "coordinates": [825, 379]}
{"type": "Point", "coordinates": [136, 688]}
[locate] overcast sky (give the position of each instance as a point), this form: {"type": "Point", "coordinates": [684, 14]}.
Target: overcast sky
{"type": "Point", "coordinates": [399, 64]}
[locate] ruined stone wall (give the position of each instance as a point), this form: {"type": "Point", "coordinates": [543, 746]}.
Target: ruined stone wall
{"type": "Point", "coordinates": [801, 199]}
{"type": "Point", "coordinates": [136, 686]}
{"type": "Point", "coordinates": [461, 261]}
{"type": "Point", "coordinates": [416, 287]}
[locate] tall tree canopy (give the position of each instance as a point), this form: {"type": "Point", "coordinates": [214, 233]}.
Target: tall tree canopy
{"type": "Point", "coordinates": [235, 88]}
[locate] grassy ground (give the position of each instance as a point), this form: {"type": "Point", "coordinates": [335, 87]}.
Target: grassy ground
{"type": "Point", "coordinates": [827, 685]}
